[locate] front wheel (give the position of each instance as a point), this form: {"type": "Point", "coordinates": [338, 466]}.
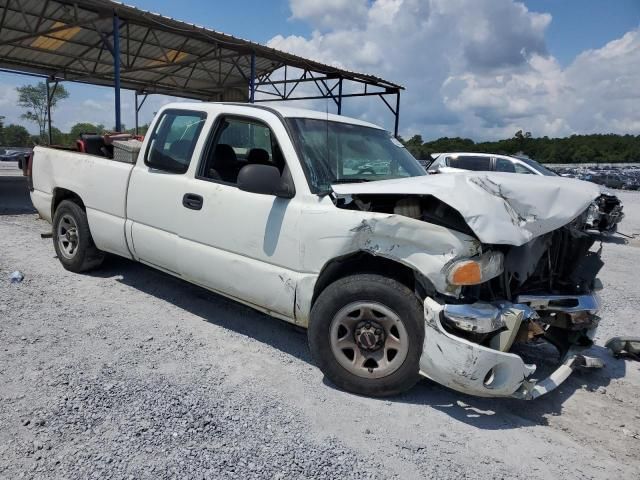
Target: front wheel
{"type": "Point", "coordinates": [366, 334]}
{"type": "Point", "coordinates": [72, 239]}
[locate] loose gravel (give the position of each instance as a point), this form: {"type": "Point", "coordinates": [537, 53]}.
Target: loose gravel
{"type": "Point", "coordinates": [130, 373]}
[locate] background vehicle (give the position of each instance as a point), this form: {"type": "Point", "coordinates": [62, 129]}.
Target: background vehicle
{"type": "Point", "coordinates": [329, 223]}
{"type": "Point", "coordinates": [604, 214]}
{"type": "Point", "coordinates": [12, 155]}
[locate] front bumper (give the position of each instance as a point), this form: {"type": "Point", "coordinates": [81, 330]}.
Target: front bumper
{"type": "Point", "coordinates": [474, 369]}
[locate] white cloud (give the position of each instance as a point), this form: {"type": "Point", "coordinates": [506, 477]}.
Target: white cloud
{"type": "Point", "coordinates": [476, 68]}
{"type": "Point", "coordinates": [329, 13]}
{"type": "Point", "coordinates": [8, 97]}
{"type": "Point", "coordinates": [597, 92]}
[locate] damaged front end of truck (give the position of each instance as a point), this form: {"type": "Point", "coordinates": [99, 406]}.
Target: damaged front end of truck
{"type": "Point", "coordinates": [544, 292]}
{"type": "Point", "coordinates": [531, 281]}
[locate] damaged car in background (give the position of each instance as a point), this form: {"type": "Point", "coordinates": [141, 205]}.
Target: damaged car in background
{"type": "Point", "coordinates": [605, 213]}
{"type": "Point", "coordinates": [329, 223]}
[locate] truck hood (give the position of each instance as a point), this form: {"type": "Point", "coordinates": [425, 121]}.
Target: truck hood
{"type": "Point", "coordinates": [500, 208]}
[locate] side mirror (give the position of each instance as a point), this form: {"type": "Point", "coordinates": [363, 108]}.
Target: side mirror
{"type": "Point", "coordinates": [264, 179]}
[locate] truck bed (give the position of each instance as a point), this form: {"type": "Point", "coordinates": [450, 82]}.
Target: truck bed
{"type": "Point", "coordinates": [99, 181]}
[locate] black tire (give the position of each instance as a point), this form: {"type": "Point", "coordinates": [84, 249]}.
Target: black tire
{"type": "Point", "coordinates": [362, 288]}
{"type": "Point", "coordinates": [86, 256]}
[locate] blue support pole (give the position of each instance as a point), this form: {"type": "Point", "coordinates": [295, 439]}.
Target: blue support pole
{"type": "Point", "coordinates": [252, 80]}
{"type": "Point", "coordinates": [116, 68]}
{"type": "Point", "coordinates": [137, 110]}
{"type": "Point", "coordinates": [340, 96]}
{"type": "Point", "coordinates": [397, 113]}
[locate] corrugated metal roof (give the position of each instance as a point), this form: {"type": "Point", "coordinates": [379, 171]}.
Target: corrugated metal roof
{"type": "Point", "coordinates": [69, 39]}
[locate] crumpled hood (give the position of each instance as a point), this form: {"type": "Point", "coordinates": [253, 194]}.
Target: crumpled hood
{"type": "Point", "coordinates": [500, 208]}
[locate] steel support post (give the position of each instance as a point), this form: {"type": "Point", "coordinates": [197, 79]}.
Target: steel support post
{"type": "Point", "coordinates": [116, 69]}
{"type": "Point", "coordinates": [49, 111]}
{"type": "Point", "coordinates": [340, 96]}
{"type": "Point", "coordinates": [136, 105]}
{"type": "Point", "coordinates": [397, 113]}
{"type": "Point", "coordinates": [252, 79]}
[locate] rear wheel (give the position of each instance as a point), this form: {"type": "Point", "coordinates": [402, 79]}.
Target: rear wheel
{"type": "Point", "coordinates": [72, 239]}
{"type": "Point", "coordinates": [366, 334]}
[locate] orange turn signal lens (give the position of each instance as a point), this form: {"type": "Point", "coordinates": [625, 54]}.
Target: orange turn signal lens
{"type": "Point", "coordinates": [466, 273]}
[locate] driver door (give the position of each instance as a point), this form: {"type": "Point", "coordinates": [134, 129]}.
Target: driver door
{"type": "Point", "coordinates": [244, 245]}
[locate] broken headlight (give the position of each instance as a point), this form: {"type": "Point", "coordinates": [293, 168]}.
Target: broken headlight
{"type": "Point", "coordinates": [476, 270]}
{"type": "Point", "coordinates": [592, 215]}
{"type": "Point", "coordinates": [474, 318]}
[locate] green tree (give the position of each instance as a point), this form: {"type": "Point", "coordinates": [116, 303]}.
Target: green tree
{"type": "Point", "coordinates": [414, 145]}
{"type": "Point", "coordinates": [16, 136]}
{"type": "Point", "coordinates": [57, 137]}
{"type": "Point", "coordinates": [521, 140]}
{"type": "Point", "coordinates": [584, 153]}
{"type": "Point", "coordinates": [79, 128]}
{"type": "Point", "coordinates": [34, 99]}
{"type": "Point", "coordinates": [1, 129]}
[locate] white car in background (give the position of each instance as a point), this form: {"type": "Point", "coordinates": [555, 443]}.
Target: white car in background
{"type": "Point", "coordinates": [604, 214]}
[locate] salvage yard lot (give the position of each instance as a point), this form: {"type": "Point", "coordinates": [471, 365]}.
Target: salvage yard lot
{"type": "Point", "coordinates": [127, 371]}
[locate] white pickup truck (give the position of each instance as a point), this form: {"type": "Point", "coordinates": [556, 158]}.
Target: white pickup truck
{"type": "Point", "coordinates": [329, 223]}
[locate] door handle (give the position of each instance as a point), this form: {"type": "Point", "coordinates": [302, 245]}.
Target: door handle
{"type": "Point", "coordinates": [192, 201]}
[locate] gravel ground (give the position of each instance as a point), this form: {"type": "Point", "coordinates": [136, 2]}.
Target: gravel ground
{"type": "Point", "coordinates": [130, 373]}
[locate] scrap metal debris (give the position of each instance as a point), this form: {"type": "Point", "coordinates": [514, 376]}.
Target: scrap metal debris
{"type": "Point", "coordinates": [624, 347]}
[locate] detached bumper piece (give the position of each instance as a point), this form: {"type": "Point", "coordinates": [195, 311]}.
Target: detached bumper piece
{"type": "Point", "coordinates": [453, 357]}
{"type": "Point", "coordinates": [604, 214]}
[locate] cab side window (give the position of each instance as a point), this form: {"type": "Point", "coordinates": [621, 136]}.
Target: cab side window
{"type": "Point", "coordinates": [239, 142]}
{"type": "Point", "coordinates": [173, 140]}
{"type": "Point", "coordinates": [468, 162]}
{"type": "Point", "coordinates": [503, 165]}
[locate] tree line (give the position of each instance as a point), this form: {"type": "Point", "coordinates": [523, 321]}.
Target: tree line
{"type": "Point", "coordinates": [594, 148]}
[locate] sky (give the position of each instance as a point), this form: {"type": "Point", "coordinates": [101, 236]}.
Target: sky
{"type": "Point", "coordinates": [481, 69]}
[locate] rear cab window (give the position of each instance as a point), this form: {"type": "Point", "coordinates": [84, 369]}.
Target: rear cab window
{"type": "Point", "coordinates": [173, 140]}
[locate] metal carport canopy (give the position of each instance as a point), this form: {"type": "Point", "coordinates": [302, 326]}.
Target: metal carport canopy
{"type": "Point", "coordinates": [73, 40]}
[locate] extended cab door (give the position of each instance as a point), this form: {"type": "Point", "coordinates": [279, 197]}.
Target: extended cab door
{"type": "Point", "coordinates": [244, 245]}
{"type": "Point", "coordinates": [157, 185]}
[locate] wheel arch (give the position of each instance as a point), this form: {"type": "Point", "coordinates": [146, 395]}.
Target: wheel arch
{"type": "Point", "coordinates": [60, 194]}
{"type": "Point", "coordinates": [365, 262]}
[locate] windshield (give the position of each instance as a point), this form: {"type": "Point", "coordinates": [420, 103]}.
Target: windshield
{"type": "Point", "coordinates": [538, 167]}
{"type": "Point", "coordinates": [335, 152]}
